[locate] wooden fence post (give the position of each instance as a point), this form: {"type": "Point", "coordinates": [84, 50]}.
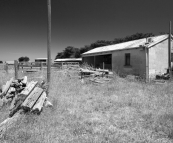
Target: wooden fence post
{"type": "Point", "coordinates": [61, 65]}
{"type": "Point", "coordinates": [16, 69]}
{"type": "Point", "coordinates": [41, 66]}
{"type": "Point", "coordinates": [6, 67]}
{"type": "Point", "coordinates": [81, 74]}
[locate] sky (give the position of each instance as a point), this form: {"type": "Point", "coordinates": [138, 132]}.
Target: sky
{"type": "Point", "coordinates": [23, 23]}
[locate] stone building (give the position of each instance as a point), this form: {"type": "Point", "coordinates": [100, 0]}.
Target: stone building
{"type": "Point", "coordinates": [145, 57]}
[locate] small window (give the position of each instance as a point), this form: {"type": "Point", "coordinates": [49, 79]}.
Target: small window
{"type": "Point", "coordinates": [127, 59]}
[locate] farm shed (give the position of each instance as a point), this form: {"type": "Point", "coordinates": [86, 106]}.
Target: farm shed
{"type": "Point", "coordinates": [9, 62]}
{"type": "Point", "coordinates": [75, 61]}
{"type": "Point", "coordinates": [145, 57]}
{"type": "Point", "coordinates": [41, 60]}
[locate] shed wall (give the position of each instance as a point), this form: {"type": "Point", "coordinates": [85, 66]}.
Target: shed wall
{"type": "Point", "coordinates": [137, 62]}
{"type": "Point", "coordinates": [158, 59]}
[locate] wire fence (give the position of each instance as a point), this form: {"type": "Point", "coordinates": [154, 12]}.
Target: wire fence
{"type": "Point", "coordinates": [35, 66]}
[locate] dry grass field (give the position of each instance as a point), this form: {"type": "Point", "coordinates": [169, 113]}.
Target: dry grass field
{"type": "Point", "coordinates": [119, 112]}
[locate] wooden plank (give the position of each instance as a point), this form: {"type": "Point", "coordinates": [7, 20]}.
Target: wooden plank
{"type": "Point", "coordinates": [3, 87]}
{"type": "Point", "coordinates": [1, 102]}
{"type": "Point", "coordinates": [16, 108]}
{"type": "Point", "coordinates": [39, 104]}
{"type": "Point", "coordinates": [32, 99]}
{"type": "Point", "coordinates": [87, 71]}
{"type": "Point", "coordinates": [6, 88]}
{"type": "Point", "coordinates": [13, 102]}
{"type": "Point", "coordinates": [102, 70]}
{"type": "Point", "coordinates": [28, 89]}
{"type": "Point", "coordinates": [11, 90]}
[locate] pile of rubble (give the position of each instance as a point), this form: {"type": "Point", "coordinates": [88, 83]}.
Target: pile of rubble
{"type": "Point", "coordinates": [23, 95]}
{"type": "Point", "coordinates": [164, 76]}
{"type": "Point", "coordinates": [98, 76]}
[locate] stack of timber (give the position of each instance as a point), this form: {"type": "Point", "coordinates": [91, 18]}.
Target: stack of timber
{"type": "Point", "coordinates": [22, 96]}
{"type": "Point", "coordinates": [98, 76]}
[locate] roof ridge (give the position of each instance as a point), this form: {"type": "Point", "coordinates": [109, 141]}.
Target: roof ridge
{"type": "Point", "coordinates": [128, 44]}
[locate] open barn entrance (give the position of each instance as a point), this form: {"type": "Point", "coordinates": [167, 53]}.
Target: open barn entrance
{"type": "Point", "coordinates": [103, 61]}
{"type": "Point", "coordinates": [99, 61]}
{"type": "Point", "coordinates": [88, 60]}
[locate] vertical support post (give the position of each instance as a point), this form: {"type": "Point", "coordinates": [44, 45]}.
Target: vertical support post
{"type": "Point", "coordinates": [147, 64]}
{"type": "Point", "coordinates": [169, 51]}
{"type": "Point", "coordinates": [18, 65]}
{"type": "Point", "coordinates": [103, 65]}
{"type": "Point", "coordinates": [41, 66]}
{"type": "Point", "coordinates": [48, 44]}
{"type": "Point", "coordinates": [6, 67]}
{"type": "Point", "coordinates": [81, 74]}
{"type": "Point", "coordinates": [94, 62]}
{"type": "Point", "coordinates": [16, 69]}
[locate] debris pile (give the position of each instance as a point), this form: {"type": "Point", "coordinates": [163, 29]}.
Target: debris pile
{"type": "Point", "coordinates": [27, 96]}
{"type": "Point", "coordinates": [99, 76]}
{"type": "Point", "coordinates": [164, 76]}
{"type": "Point", "coordinates": [22, 96]}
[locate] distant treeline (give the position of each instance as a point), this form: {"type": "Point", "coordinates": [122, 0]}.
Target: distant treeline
{"type": "Point", "coordinates": [73, 52]}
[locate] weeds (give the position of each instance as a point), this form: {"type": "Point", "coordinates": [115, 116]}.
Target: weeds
{"type": "Point", "coordinates": [122, 111]}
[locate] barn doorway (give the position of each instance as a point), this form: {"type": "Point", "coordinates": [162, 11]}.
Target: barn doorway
{"type": "Point", "coordinates": [103, 61]}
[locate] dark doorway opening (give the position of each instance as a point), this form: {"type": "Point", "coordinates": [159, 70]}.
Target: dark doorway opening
{"type": "Point", "coordinates": [103, 61]}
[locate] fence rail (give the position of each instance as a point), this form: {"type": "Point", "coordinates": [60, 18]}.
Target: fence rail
{"type": "Point", "coordinates": [35, 66]}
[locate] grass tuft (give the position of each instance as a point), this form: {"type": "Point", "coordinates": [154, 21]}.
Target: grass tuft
{"type": "Point", "coordinates": [121, 111]}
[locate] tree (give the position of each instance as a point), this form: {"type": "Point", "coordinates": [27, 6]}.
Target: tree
{"type": "Point", "coordinates": [132, 37]}
{"type": "Point", "coordinates": [1, 62]}
{"type": "Point", "coordinates": [100, 43]}
{"type": "Point", "coordinates": [72, 52]}
{"type": "Point", "coordinates": [59, 55]}
{"type": "Point", "coordinates": [23, 59]}
{"type": "Point", "coordinates": [69, 52]}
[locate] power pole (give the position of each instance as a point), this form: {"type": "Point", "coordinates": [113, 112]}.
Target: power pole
{"type": "Point", "coordinates": [169, 51]}
{"type": "Point", "coordinates": [48, 45]}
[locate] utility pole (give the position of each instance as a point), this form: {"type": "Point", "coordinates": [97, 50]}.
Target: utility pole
{"type": "Point", "coordinates": [48, 45]}
{"type": "Point", "coordinates": [169, 51]}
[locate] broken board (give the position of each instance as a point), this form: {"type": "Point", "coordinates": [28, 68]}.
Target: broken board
{"type": "Point", "coordinates": [31, 99]}
{"type": "Point", "coordinates": [39, 104]}
{"type": "Point", "coordinates": [24, 94]}
{"type": "Point", "coordinates": [6, 88]}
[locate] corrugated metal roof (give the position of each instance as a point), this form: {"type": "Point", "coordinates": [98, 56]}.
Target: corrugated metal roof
{"type": "Point", "coordinates": [41, 59]}
{"type": "Point", "coordinates": [128, 45]}
{"type": "Point", "coordinates": [10, 62]}
{"type": "Point", "coordinates": [68, 59]}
